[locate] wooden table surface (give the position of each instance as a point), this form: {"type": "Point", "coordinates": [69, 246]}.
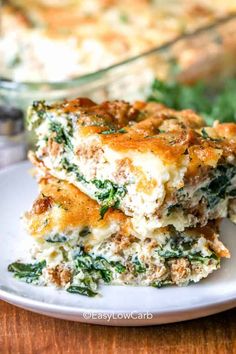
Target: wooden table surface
{"type": "Point", "coordinates": [22, 332]}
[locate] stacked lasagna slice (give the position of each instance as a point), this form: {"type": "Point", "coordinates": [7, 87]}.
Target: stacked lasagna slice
{"type": "Point", "coordinates": [129, 194]}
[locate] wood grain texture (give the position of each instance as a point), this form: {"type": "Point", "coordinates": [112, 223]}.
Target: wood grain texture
{"type": "Point", "coordinates": [22, 332]}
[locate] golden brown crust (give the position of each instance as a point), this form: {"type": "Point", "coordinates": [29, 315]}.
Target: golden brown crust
{"type": "Point", "coordinates": [64, 206]}
{"type": "Point", "coordinates": [151, 127]}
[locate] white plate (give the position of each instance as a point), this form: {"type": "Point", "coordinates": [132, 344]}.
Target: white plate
{"type": "Point", "coordinates": [118, 305]}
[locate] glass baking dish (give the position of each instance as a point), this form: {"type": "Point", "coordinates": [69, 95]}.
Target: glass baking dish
{"type": "Point", "coordinates": [207, 54]}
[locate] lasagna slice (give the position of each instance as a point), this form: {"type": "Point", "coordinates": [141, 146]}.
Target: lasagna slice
{"type": "Point", "coordinates": [76, 249]}
{"type": "Point", "coordinates": [159, 166]}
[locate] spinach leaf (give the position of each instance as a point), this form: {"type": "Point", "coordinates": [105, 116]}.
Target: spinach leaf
{"type": "Point", "coordinates": [119, 267]}
{"type": "Point", "coordinates": [161, 283]}
{"type": "Point", "coordinates": [180, 247]}
{"type": "Point", "coordinates": [97, 267]}
{"type": "Point", "coordinates": [109, 194]}
{"type": "Point", "coordinates": [70, 167]}
{"type": "Point", "coordinates": [82, 290]}
{"type": "Point", "coordinates": [218, 188]}
{"type": "Point", "coordinates": [93, 269]}
{"type": "Point", "coordinates": [197, 257]}
{"type": "Point", "coordinates": [30, 273]}
{"type": "Point", "coordinates": [103, 210]}
{"type": "Point", "coordinates": [37, 114]}
{"type": "Point", "coordinates": [232, 193]}
{"type": "Point", "coordinates": [106, 275]}
{"type": "Point", "coordinates": [138, 266]}
{"type": "Point", "coordinates": [84, 261]}
{"type": "Point", "coordinates": [170, 253]}
{"type": "Point", "coordinates": [61, 137]}
{"type": "Point", "coordinates": [102, 265]}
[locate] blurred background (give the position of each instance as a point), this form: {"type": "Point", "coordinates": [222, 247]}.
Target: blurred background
{"type": "Point", "coordinates": [178, 52]}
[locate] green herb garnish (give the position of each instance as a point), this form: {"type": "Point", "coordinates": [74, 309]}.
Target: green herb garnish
{"type": "Point", "coordinates": [211, 103]}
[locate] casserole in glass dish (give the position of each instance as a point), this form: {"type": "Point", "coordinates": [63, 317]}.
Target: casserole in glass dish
{"type": "Point", "coordinates": [206, 54]}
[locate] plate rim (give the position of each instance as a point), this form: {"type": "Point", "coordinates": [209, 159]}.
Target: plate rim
{"type": "Point", "coordinates": [81, 315]}
{"type": "Point", "coordinates": [11, 296]}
